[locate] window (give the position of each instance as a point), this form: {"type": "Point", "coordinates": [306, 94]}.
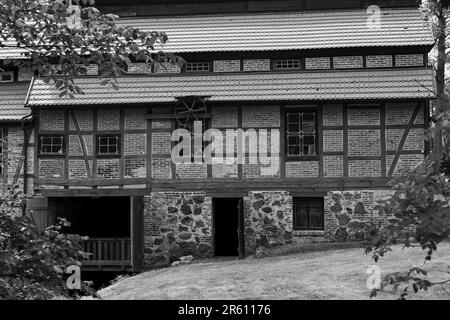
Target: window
{"type": "Point", "coordinates": [197, 67]}
{"type": "Point", "coordinates": [287, 64]}
{"type": "Point", "coordinates": [308, 214]}
{"type": "Point", "coordinates": [108, 145]}
{"type": "Point", "coordinates": [6, 76]}
{"type": "Point", "coordinates": [51, 145]}
{"type": "Point", "coordinates": [301, 134]}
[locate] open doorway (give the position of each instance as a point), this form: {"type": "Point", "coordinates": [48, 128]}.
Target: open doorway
{"type": "Point", "coordinates": [227, 227]}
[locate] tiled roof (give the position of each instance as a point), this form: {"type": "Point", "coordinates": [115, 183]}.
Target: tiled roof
{"type": "Point", "coordinates": [11, 51]}
{"type": "Point", "coordinates": [287, 31]}
{"type": "Point", "coordinates": [12, 101]}
{"type": "Point", "coordinates": [336, 85]}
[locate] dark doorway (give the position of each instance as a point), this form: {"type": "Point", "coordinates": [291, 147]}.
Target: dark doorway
{"type": "Point", "coordinates": [226, 226]}
{"type": "Point", "coordinates": [103, 217]}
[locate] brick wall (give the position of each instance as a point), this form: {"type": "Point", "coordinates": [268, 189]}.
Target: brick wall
{"type": "Point", "coordinates": [297, 169]}
{"type": "Point", "coordinates": [261, 116]}
{"type": "Point", "coordinates": [256, 65]}
{"type": "Point", "coordinates": [333, 140]}
{"type": "Point", "coordinates": [332, 115]}
{"type": "Point", "coordinates": [364, 142]}
{"type": "Point", "coordinates": [108, 168]}
{"type": "Point", "coordinates": [224, 117]}
{"type": "Point", "coordinates": [364, 168]}
{"type": "Point", "coordinates": [51, 168]}
{"type": "Point", "coordinates": [333, 166]}
{"type": "Point", "coordinates": [135, 143]}
{"type": "Point", "coordinates": [139, 68]}
{"type": "Point", "coordinates": [317, 63]}
{"type": "Point", "coordinates": [347, 62]}
{"type": "Point", "coordinates": [108, 119]}
{"type": "Point", "coordinates": [51, 120]}
{"type": "Point", "coordinates": [363, 116]}
{"type": "Point", "coordinates": [227, 65]}
{"type": "Point", "coordinates": [379, 61]}
{"type": "Point", "coordinates": [409, 60]}
{"type": "Point", "coordinates": [166, 67]}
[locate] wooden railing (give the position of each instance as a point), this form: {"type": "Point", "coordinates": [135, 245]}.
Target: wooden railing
{"type": "Point", "coordinates": [108, 252]}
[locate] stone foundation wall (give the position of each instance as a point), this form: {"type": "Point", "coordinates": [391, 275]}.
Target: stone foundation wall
{"type": "Point", "coordinates": [344, 208]}
{"type": "Point", "coordinates": [267, 219]}
{"type": "Point", "coordinates": [176, 224]}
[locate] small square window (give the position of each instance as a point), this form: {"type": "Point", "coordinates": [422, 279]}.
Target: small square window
{"type": "Point", "coordinates": [198, 67]}
{"type": "Point", "coordinates": [308, 214]}
{"type": "Point", "coordinates": [287, 64]}
{"type": "Point", "coordinates": [108, 145]}
{"type": "Point", "coordinates": [6, 76]}
{"type": "Point", "coordinates": [51, 145]}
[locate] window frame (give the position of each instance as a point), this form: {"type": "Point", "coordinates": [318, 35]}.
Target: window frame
{"type": "Point", "coordinates": [108, 155]}
{"type": "Point", "coordinates": [301, 110]}
{"type": "Point", "coordinates": [308, 200]}
{"type": "Point", "coordinates": [11, 73]}
{"type": "Point", "coordinates": [300, 64]}
{"type": "Point", "coordinates": [51, 154]}
{"type": "Point", "coordinates": [198, 71]}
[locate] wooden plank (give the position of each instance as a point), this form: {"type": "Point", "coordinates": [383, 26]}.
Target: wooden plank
{"type": "Point", "coordinates": [137, 233]}
{"type": "Point", "coordinates": [282, 141]}
{"type": "Point", "coordinates": [345, 139]}
{"type": "Point", "coordinates": [319, 143]}
{"type": "Point", "coordinates": [241, 226]}
{"type": "Point", "coordinates": [173, 116]}
{"type": "Point", "coordinates": [149, 147]}
{"type": "Point", "coordinates": [92, 182]}
{"type": "Point", "coordinates": [383, 139]}
{"type": "Point", "coordinates": [83, 145]}
{"type": "Point", "coordinates": [403, 140]}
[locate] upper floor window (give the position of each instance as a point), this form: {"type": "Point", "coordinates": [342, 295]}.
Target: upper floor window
{"type": "Point", "coordinates": [51, 145]}
{"type": "Point", "coordinates": [301, 133]}
{"type": "Point", "coordinates": [198, 67]}
{"type": "Point", "coordinates": [7, 76]}
{"type": "Point", "coordinates": [308, 214]}
{"type": "Point", "coordinates": [108, 145]}
{"type": "Point", "coordinates": [286, 64]}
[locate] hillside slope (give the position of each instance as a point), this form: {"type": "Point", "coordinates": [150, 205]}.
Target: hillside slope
{"type": "Point", "coordinates": [337, 274]}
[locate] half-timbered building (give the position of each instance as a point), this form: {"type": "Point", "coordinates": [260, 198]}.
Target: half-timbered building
{"type": "Point", "coordinates": [341, 92]}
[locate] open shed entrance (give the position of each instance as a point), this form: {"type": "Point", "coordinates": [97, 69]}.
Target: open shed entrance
{"type": "Point", "coordinates": [114, 226]}
{"type": "Point", "coordinates": [228, 227]}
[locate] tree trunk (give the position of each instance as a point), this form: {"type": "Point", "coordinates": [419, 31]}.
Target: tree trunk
{"type": "Point", "coordinates": [441, 102]}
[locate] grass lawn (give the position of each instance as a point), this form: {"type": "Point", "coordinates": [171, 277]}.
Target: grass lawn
{"type": "Point", "coordinates": [333, 274]}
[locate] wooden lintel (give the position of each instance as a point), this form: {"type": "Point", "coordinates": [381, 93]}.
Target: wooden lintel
{"type": "Point", "coordinates": [173, 116]}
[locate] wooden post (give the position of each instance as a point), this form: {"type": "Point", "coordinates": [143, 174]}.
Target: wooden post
{"type": "Point", "coordinates": [241, 240]}
{"type": "Point", "coordinates": [137, 233]}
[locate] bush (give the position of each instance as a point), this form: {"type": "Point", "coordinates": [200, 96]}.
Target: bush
{"type": "Point", "coordinates": [32, 261]}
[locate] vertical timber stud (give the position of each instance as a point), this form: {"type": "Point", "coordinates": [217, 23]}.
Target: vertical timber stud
{"type": "Point", "coordinates": [319, 143]}
{"type": "Point", "coordinates": [66, 146]}
{"type": "Point", "coordinates": [241, 248]}
{"type": "Point", "coordinates": [137, 233]}
{"type": "Point", "coordinates": [282, 142]}
{"type": "Point", "coordinates": [122, 145]}
{"type": "Point", "coordinates": [149, 148]}
{"type": "Point", "coordinates": [239, 143]}
{"type": "Point", "coordinates": [345, 136]}
{"type": "Point", "coordinates": [383, 138]}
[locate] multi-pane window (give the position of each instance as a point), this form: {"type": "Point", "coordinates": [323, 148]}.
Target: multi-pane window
{"type": "Point", "coordinates": [301, 134]}
{"type": "Point", "coordinates": [287, 64]}
{"type": "Point", "coordinates": [197, 67]}
{"type": "Point", "coordinates": [308, 214]}
{"type": "Point", "coordinates": [6, 76]}
{"type": "Point", "coordinates": [51, 145]}
{"type": "Point", "coordinates": [108, 145]}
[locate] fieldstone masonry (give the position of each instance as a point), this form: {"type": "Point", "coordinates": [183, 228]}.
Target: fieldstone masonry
{"type": "Point", "coordinates": [176, 224]}
{"type": "Point", "coordinates": [267, 218]}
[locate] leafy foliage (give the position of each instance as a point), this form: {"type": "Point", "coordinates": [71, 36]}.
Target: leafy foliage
{"type": "Point", "coordinates": [32, 262]}
{"type": "Point", "coordinates": [60, 39]}
{"type": "Point", "coordinates": [418, 214]}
